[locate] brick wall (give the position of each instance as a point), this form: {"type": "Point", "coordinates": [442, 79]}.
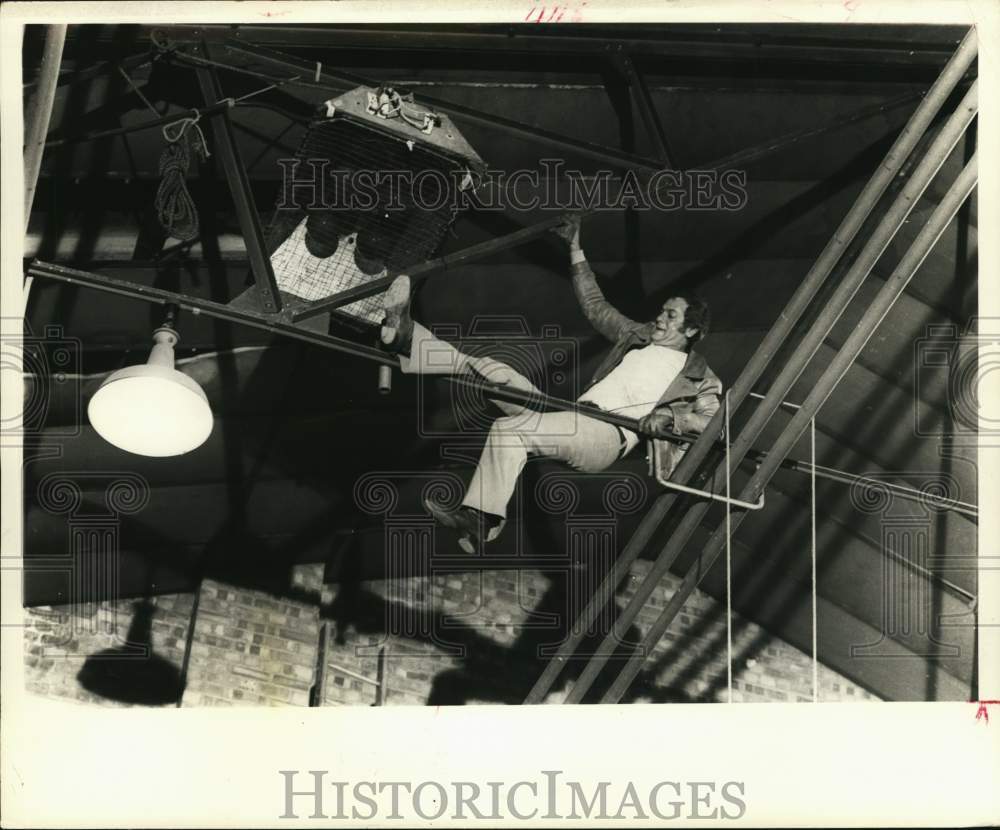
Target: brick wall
{"type": "Point", "coordinates": [250, 648]}
{"type": "Point", "coordinates": [692, 655]}
{"type": "Point", "coordinates": [488, 653]}
{"type": "Point", "coordinates": [452, 637]}
{"type": "Point", "coordinates": [58, 642]}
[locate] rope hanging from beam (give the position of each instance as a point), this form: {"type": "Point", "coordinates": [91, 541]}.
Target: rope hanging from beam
{"type": "Point", "coordinates": [175, 209]}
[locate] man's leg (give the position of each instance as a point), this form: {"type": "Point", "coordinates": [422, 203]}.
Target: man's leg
{"type": "Point", "coordinates": [583, 443]}
{"type": "Point", "coordinates": [430, 355]}
{"type": "Point", "coordinates": [421, 353]}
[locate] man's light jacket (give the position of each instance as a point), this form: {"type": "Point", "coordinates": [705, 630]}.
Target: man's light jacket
{"type": "Point", "coordinates": [692, 396]}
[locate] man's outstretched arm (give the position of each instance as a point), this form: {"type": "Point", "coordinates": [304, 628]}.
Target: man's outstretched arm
{"type": "Point", "coordinates": [603, 316]}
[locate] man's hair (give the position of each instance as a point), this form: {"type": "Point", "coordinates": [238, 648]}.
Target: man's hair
{"type": "Point", "coordinates": [697, 315]}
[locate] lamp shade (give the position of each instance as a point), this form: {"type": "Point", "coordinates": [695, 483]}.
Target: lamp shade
{"type": "Point", "coordinates": [152, 409]}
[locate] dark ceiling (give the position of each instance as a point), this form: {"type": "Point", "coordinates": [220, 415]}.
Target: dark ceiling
{"type": "Point", "coordinates": [297, 426]}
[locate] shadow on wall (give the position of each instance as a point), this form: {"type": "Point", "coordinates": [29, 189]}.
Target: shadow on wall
{"type": "Point", "coordinates": [131, 673]}
{"type": "Point", "coordinates": [488, 671]}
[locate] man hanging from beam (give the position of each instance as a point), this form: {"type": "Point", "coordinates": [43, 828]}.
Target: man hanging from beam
{"type": "Point", "coordinates": [650, 374]}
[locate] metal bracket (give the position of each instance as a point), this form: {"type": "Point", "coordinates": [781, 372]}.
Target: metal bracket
{"type": "Point", "coordinates": [693, 491]}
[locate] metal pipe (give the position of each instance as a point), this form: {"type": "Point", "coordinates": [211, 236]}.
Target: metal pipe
{"type": "Point", "coordinates": [355, 675]}
{"type": "Point", "coordinates": [905, 493]}
{"type": "Point", "coordinates": [832, 310]}
{"type": "Point", "coordinates": [41, 113]}
{"type": "Point", "coordinates": [277, 325]}
{"type": "Point", "coordinates": [788, 404]}
{"type": "Point", "coordinates": [197, 305]}
{"type": "Point", "coordinates": [215, 109]}
{"type": "Point", "coordinates": [765, 352]}
{"type": "Point", "coordinates": [832, 375]}
{"type": "Point", "coordinates": [706, 494]}
{"type": "Point", "coordinates": [797, 465]}
{"type": "Point", "coordinates": [189, 643]}
{"type": "Point", "coordinates": [384, 380]}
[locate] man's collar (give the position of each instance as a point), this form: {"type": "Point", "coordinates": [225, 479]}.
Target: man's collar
{"type": "Point", "coordinates": [695, 366]}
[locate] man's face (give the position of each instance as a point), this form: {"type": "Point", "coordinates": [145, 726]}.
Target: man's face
{"type": "Point", "coordinates": [670, 329]}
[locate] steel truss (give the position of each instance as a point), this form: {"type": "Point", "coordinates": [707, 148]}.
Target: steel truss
{"type": "Point", "coordinates": [270, 310]}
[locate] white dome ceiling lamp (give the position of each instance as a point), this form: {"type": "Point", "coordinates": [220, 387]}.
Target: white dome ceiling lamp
{"type": "Point", "coordinates": [152, 409]}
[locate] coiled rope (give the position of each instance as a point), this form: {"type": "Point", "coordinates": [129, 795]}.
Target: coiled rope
{"type": "Point", "coordinates": [175, 209]}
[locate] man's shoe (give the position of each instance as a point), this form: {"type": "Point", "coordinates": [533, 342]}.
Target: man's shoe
{"type": "Point", "coordinates": [470, 523]}
{"type": "Point", "coordinates": [397, 327]}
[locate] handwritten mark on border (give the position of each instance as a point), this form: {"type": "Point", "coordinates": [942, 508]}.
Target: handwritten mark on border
{"type": "Point", "coordinates": [982, 712]}
{"type": "Point", "coordinates": [556, 14]}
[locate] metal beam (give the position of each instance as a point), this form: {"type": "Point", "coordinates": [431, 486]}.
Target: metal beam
{"type": "Point", "coordinates": [239, 185]}
{"type": "Point", "coordinates": [766, 148]}
{"type": "Point", "coordinates": [874, 314]}
{"type": "Point", "coordinates": [40, 113]}
{"type": "Point", "coordinates": [425, 269]}
{"type": "Point", "coordinates": [215, 109]}
{"type": "Point", "coordinates": [808, 289]}
{"type": "Point", "coordinates": [197, 305]}
{"type": "Point", "coordinates": [73, 77]}
{"type": "Point", "coordinates": [582, 40]}
{"type": "Point", "coordinates": [275, 324]}
{"type": "Point", "coordinates": [647, 110]}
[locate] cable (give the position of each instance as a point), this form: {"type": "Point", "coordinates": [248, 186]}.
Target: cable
{"type": "Point", "coordinates": [812, 481]}
{"type": "Point", "coordinates": [295, 81]}
{"type": "Point", "coordinates": [729, 568]}
{"type": "Point", "coordinates": [138, 92]}
{"type": "Point", "coordinates": [291, 116]}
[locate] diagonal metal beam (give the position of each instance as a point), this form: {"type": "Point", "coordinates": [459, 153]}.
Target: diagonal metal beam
{"type": "Point", "coordinates": [276, 324]}
{"type": "Point", "coordinates": [239, 184]}
{"type": "Point", "coordinates": [74, 77]}
{"type": "Point", "coordinates": [425, 269]}
{"type": "Point", "coordinates": [647, 110]}
{"type": "Point", "coordinates": [40, 113]}
{"type": "Point", "coordinates": [749, 155]}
